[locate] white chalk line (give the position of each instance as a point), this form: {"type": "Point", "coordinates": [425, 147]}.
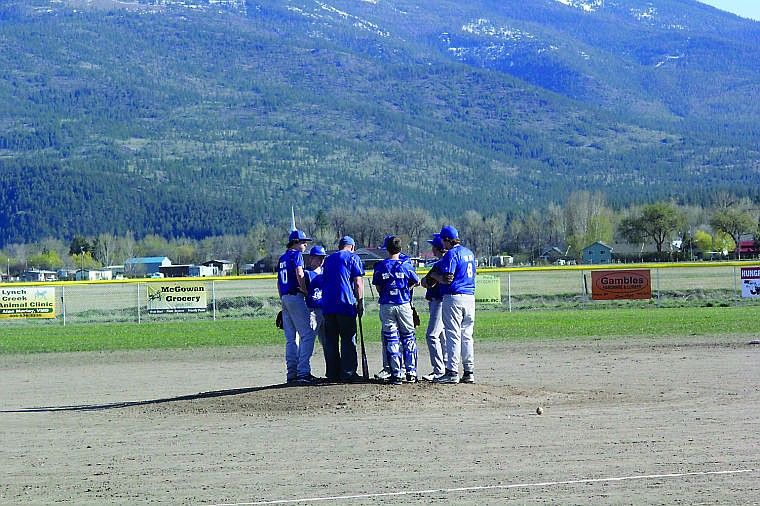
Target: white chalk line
{"type": "Point", "coordinates": [490, 487]}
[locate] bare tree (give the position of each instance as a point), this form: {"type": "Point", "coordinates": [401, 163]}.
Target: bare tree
{"type": "Point", "coordinates": [587, 218]}
{"type": "Point", "coordinates": [495, 227]}
{"type": "Point", "coordinates": [473, 231]}
{"type": "Point", "coordinates": [104, 248]}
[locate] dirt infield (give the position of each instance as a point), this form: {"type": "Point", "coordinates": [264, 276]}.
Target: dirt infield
{"type": "Point", "coordinates": [625, 422]}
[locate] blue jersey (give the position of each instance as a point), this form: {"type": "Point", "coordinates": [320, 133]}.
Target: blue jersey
{"type": "Point", "coordinates": [459, 261]}
{"type": "Point", "coordinates": [434, 292]}
{"type": "Point", "coordinates": [392, 278]}
{"type": "Point", "coordinates": [287, 281]}
{"type": "Point", "coordinates": [314, 289]}
{"type": "Point", "coordinates": [338, 273]}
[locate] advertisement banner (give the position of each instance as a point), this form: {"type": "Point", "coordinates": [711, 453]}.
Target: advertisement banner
{"type": "Point", "coordinates": [751, 281]}
{"type": "Point", "coordinates": [624, 284]}
{"type": "Point", "coordinates": [27, 302]}
{"type": "Point", "coordinates": [488, 289]}
{"type": "Point", "coordinates": [176, 298]}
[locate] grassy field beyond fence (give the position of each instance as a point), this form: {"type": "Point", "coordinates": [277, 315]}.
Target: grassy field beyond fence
{"type": "Point", "coordinates": [619, 323]}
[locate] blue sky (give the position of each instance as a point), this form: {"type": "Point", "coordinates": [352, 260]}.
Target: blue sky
{"type": "Point", "coordinates": [745, 8]}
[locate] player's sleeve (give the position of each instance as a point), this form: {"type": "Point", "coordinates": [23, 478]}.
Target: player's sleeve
{"type": "Point", "coordinates": [413, 276]}
{"type": "Point", "coordinates": [356, 268]}
{"type": "Point", "coordinates": [446, 265]}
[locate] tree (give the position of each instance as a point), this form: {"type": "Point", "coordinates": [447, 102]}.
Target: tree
{"type": "Point", "coordinates": [85, 261]}
{"type": "Point", "coordinates": [734, 222]}
{"type": "Point", "coordinates": [47, 260]}
{"type": "Point", "coordinates": [495, 234]}
{"type": "Point", "coordinates": [103, 248]}
{"type": "Point", "coordinates": [702, 241]}
{"type": "Point", "coordinates": [473, 230]}
{"type": "Point", "coordinates": [79, 244]}
{"type": "Point", "coordinates": [586, 220]}
{"type": "Point", "coordinates": [656, 222]}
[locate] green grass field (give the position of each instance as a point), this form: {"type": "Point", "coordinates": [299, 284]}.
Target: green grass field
{"type": "Point", "coordinates": [618, 323]}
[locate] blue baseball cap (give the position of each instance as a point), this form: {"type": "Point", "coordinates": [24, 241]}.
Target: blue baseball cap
{"type": "Point", "coordinates": [298, 235]}
{"type": "Point", "coordinates": [387, 238]}
{"type": "Point", "coordinates": [449, 232]}
{"type": "Point", "coordinates": [346, 240]}
{"type": "Point", "coordinates": [436, 241]}
{"type": "Point", "coordinates": [317, 251]}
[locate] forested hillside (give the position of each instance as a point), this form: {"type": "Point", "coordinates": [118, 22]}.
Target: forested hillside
{"type": "Point", "coordinates": [193, 119]}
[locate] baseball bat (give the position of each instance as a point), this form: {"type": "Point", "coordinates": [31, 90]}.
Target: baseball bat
{"type": "Point", "coordinates": [365, 367]}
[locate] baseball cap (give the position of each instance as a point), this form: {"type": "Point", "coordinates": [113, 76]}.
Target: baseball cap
{"type": "Point", "coordinates": [346, 240]}
{"type": "Point", "coordinates": [385, 242]}
{"type": "Point", "coordinates": [436, 241]}
{"type": "Point", "coordinates": [298, 235]}
{"type": "Point", "coordinates": [449, 232]}
{"type": "Point", "coordinates": [317, 251]}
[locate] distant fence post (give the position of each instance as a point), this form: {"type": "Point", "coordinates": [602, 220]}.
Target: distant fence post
{"type": "Point", "coordinates": [63, 304]}
{"type": "Point", "coordinates": [213, 300]}
{"type": "Point", "coordinates": [736, 299]}
{"type": "Point", "coordinates": [584, 288]}
{"type": "Point", "coordinates": [509, 290]}
{"type": "Point", "coordinates": [138, 302]}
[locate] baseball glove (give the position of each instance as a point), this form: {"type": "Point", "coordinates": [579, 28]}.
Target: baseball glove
{"type": "Point", "coordinates": [278, 320]}
{"type": "Point", "coordinates": [415, 317]}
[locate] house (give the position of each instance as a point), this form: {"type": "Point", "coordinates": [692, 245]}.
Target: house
{"type": "Point", "coordinates": [500, 260]}
{"type": "Point", "coordinates": [93, 274]}
{"type": "Point", "coordinates": [67, 273]}
{"type": "Point", "coordinates": [38, 275]}
{"type": "Point", "coordinates": [145, 266]}
{"type": "Point", "coordinates": [748, 249]}
{"type": "Point", "coordinates": [552, 255]}
{"type": "Point", "coordinates": [186, 271]}
{"type": "Point", "coordinates": [597, 253]}
{"type": "Point", "coordinates": [221, 267]}
{"type": "Point", "coordinates": [255, 268]}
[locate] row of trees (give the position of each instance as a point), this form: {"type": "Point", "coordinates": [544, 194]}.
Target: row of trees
{"type": "Point", "coordinates": [582, 220]}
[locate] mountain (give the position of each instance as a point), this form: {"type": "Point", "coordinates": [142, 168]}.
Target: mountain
{"type": "Point", "coordinates": [197, 118]}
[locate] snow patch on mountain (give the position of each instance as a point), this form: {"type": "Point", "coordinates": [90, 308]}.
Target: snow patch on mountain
{"type": "Point", "coordinates": [644, 13]}
{"type": "Point", "coordinates": [501, 42]}
{"type": "Point", "coordinates": [584, 5]}
{"type": "Point", "coordinates": [355, 21]}
{"type": "Point", "coordinates": [486, 28]}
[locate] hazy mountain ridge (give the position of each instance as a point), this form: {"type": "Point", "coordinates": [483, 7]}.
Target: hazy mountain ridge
{"type": "Point", "coordinates": [213, 116]}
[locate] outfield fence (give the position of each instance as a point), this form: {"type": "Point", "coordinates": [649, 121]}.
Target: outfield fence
{"type": "Point", "coordinates": [513, 289]}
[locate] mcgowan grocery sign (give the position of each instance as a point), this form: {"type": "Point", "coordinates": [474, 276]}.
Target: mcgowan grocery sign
{"type": "Point", "coordinates": [625, 284]}
{"type": "Point", "coordinates": [176, 298]}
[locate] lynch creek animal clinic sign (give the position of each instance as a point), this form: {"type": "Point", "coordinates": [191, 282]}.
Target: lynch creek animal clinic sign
{"type": "Point", "coordinates": [624, 284]}
{"type": "Point", "coordinates": [176, 298]}
{"type": "Point", "coordinates": [27, 302]}
{"type": "Point", "coordinates": [751, 281]}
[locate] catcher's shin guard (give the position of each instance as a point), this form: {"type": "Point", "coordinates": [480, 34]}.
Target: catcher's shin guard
{"type": "Point", "coordinates": [393, 352]}
{"type": "Point", "coordinates": [409, 343]}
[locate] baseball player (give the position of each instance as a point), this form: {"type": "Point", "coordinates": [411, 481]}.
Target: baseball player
{"type": "Point", "coordinates": [434, 334]}
{"type": "Point", "coordinates": [299, 336]}
{"type": "Point", "coordinates": [342, 302]}
{"type": "Point", "coordinates": [314, 292]}
{"type": "Point", "coordinates": [393, 278]}
{"type": "Point", "coordinates": [385, 373]}
{"type": "Point", "coordinates": [457, 282]}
